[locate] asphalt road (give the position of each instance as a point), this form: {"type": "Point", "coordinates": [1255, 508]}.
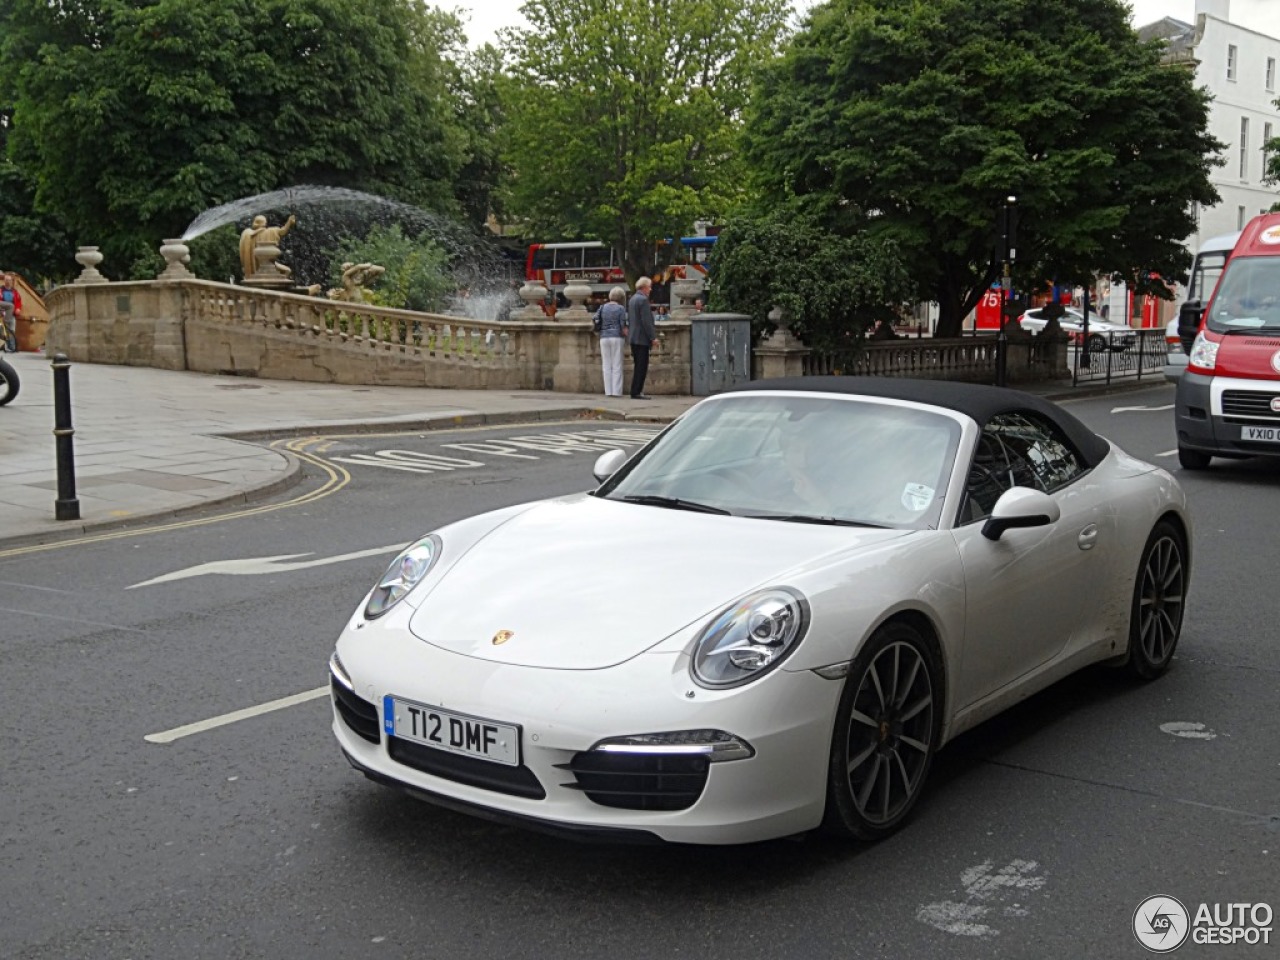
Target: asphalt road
{"type": "Point", "coordinates": [1039, 835]}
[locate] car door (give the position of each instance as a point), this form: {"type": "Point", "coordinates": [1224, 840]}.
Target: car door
{"type": "Point", "coordinates": [1028, 593]}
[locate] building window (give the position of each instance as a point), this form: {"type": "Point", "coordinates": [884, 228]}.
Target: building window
{"type": "Point", "coordinates": [1244, 148]}
{"type": "Point", "coordinates": [1240, 215]}
{"type": "Point", "coordinates": [1231, 61]}
{"type": "Point", "coordinates": [1271, 74]}
{"type": "Point", "coordinates": [1266, 149]}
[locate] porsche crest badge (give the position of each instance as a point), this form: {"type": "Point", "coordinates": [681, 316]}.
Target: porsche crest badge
{"type": "Point", "coordinates": [501, 637]}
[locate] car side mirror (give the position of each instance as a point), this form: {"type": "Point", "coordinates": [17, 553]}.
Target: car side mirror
{"type": "Point", "coordinates": [1020, 507]}
{"type": "Point", "coordinates": [607, 464]}
{"type": "Point", "coordinates": [1189, 316]}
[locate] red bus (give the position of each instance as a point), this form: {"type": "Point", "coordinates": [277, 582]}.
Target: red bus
{"type": "Point", "coordinates": [583, 261]}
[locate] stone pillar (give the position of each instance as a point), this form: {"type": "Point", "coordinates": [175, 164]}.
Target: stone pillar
{"type": "Point", "coordinates": [684, 292]}
{"type": "Point", "coordinates": [534, 295]}
{"type": "Point", "coordinates": [781, 354]}
{"type": "Point", "coordinates": [89, 258]}
{"type": "Point", "coordinates": [577, 294]}
{"type": "Point", "coordinates": [176, 254]}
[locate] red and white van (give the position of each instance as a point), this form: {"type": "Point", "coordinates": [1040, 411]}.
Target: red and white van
{"type": "Point", "coordinates": [1228, 400]}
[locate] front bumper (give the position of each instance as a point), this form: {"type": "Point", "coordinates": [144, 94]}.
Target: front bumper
{"type": "Point", "coordinates": [1204, 425]}
{"type": "Point", "coordinates": [786, 717]}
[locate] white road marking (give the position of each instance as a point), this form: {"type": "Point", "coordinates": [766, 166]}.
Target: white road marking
{"type": "Point", "coordinates": [1167, 406]}
{"type": "Point", "coordinates": [1168, 453]}
{"type": "Point", "coordinates": [177, 733]}
{"type": "Point", "coordinates": [1187, 730]}
{"type": "Point", "coordinates": [41, 615]}
{"type": "Point", "coordinates": [983, 886]}
{"type": "Point", "coordinates": [256, 566]}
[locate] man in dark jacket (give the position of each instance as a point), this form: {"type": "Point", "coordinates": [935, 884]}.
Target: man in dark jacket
{"type": "Point", "coordinates": [643, 336]}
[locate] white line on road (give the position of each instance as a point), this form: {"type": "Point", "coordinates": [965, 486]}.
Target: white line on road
{"type": "Point", "coordinates": [40, 615]}
{"type": "Point", "coordinates": [177, 733]}
{"type": "Point", "coordinates": [252, 566]}
{"type": "Point", "coordinates": [1168, 453]}
{"type": "Point", "coordinates": [1167, 406]}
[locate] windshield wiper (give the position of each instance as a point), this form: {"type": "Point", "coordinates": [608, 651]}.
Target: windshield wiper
{"type": "Point", "coordinates": [675, 503]}
{"type": "Point", "coordinates": [806, 518]}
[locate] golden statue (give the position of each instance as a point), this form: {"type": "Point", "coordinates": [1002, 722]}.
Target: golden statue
{"type": "Point", "coordinates": [260, 235]}
{"type": "Point", "coordinates": [355, 276]}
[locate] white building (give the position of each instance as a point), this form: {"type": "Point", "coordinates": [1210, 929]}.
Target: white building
{"type": "Point", "coordinates": [1239, 67]}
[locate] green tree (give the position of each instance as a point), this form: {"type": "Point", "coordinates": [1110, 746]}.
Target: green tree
{"type": "Point", "coordinates": [830, 287]}
{"type": "Point", "coordinates": [131, 117]}
{"type": "Point", "coordinates": [914, 121]}
{"type": "Point", "coordinates": [36, 246]}
{"type": "Point", "coordinates": [624, 115]}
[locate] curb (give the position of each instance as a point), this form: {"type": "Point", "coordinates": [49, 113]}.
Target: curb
{"type": "Point", "coordinates": [293, 472]}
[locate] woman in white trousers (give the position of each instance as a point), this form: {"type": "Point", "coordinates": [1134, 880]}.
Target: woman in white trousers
{"type": "Point", "coordinates": [611, 323]}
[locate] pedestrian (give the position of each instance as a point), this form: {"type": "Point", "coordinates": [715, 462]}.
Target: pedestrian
{"type": "Point", "coordinates": [642, 335]}
{"type": "Point", "coordinates": [10, 308]}
{"type": "Point", "coordinates": [610, 323]}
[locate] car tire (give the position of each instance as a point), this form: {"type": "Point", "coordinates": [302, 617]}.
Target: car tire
{"type": "Point", "coordinates": [1097, 343]}
{"type": "Point", "coordinates": [8, 382]}
{"type": "Point", "coordinates": [1193, 459]}
{"type": "Point", "coordinates": [887, 729]}
{"type": "Point", "coordinates": [1159, 599]}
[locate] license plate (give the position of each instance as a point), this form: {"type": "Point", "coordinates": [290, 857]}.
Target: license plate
{"type": "Point", "coordinates": [1262, 434]}
{"type": "Point", "coordinates": [452, 732]}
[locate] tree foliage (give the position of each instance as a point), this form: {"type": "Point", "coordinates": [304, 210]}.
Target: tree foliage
{"type": "Point", "coordinates": [914, 121]}
{"type": "Point", "coordinates": [132, 116]}
{"type": "Point", "coordinates": [830, 287]}
{"type": "Point", "coordinates": [624, 115]}
{"type": "Point", "coordinates": [417, 275]}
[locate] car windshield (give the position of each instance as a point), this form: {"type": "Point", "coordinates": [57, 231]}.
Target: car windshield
{"type": "Point", "coordinates": [799, 458]}
{"type": "Point", "coordinates": [1248, 297]}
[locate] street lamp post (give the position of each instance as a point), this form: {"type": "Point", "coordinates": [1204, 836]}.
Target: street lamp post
{"type": "Point", "coordinates": [1009, 247]}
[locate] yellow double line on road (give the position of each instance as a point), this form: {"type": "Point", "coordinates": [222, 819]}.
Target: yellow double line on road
{"type": "Point", "coordinates": [336, 479]}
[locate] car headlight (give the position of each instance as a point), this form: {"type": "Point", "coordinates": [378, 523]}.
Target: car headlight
{"type": "Point", "coordinates": [1204, 353]}
{"type": "Point", "coordinates": [405, 573]}
{"type": "Point", "coordinates": [750, 638]}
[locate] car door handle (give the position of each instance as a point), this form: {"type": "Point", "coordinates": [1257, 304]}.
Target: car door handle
{"type": "Point", "coordinates": [1088, 537]}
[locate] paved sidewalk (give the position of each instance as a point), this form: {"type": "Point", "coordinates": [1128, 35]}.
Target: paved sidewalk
{"type": "Point", "coordinates": [153, 443]}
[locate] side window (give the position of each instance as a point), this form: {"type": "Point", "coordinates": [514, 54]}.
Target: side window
{"type": "Point", "coordinates": [1022, 450]}
{"type": "Point", "coordinates": [595, 258]}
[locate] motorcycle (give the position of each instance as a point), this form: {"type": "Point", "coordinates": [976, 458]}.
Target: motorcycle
{"type": "Point", "coordinates": [9, 382]}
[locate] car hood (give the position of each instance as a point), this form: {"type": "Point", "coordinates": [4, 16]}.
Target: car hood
{"type": "Point", "coordinates": [585, 583]}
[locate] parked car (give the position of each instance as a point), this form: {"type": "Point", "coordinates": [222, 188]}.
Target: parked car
{"type": "Point", "coordinates": [1103, 334]}
{"type": "Point", "coordinates": [1175, 357]}
{"type": "Point", "coordinates": [766, 621]}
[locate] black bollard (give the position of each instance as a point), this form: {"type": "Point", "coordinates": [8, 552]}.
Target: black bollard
{"type": "Point", "coordinates": [66, 507]}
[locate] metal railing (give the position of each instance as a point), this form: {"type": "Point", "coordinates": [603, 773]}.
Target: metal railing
{"type": "Point", "coordinates": [1127, 356]}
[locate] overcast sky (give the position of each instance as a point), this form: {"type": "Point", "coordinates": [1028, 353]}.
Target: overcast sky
{"type": "Point", "coordinates": [484, 17]}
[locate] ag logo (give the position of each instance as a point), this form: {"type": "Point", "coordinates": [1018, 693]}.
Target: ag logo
{"type": "Point", "coordinates": [1161, 924]}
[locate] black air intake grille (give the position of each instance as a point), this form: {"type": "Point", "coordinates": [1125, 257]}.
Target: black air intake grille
{"type": "Point", "coordinates": [360, 715]}
{"type": "Point", "coordinates": [646, 781]}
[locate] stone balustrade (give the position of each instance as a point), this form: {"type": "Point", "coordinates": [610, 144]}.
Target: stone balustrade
{"type": "Point", "coordinates": [189, 324]}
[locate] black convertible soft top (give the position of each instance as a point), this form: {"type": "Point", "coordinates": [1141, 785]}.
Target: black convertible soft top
{"type": "Point", "coordinates": [974, 400]}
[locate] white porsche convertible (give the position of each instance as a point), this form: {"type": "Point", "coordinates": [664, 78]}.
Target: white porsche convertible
{"type": "Point", "coordinates": [767, 620]}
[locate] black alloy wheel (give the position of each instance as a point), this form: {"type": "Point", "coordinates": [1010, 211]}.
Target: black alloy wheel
{"type": "Point", "coordinates": [887, 729]}
{"type": "Point", "coordinates": [1159, 597]}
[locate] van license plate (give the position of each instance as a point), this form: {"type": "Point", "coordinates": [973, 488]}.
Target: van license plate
{"type": "Point", "coordinates": [452, 732]}
{"type": "Point", "coordinates": [1261, 434]}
